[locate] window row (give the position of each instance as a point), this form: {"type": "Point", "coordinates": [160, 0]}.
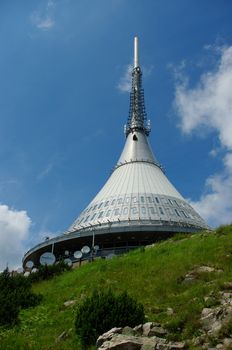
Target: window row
{"type": "Point", "coordinates": [135, 210]}
{"type": "Point", "coordinates": [135, 199]}
{"type": "Point", "coordinates": [127, 200]}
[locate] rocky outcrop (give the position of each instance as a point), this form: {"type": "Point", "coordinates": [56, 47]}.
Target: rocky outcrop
{"type": "Point", "coordinates": [198, 270]}
{"type": "Point", "coordinates": [149, 336]}
{"type": "Point", "coordinates": [215, 326]}
{"type": "Point", "coordinates": [213, 320]}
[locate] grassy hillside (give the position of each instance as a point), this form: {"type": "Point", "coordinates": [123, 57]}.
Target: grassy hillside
{"type": "Point", "coordinates": [154, 276]}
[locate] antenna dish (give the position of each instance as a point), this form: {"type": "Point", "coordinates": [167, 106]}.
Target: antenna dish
{"type": "Point", "coordinates": [96, 247]}
{"type": "Point", "coordinates": [26, 274]}
{"type": "Point", "coordinates": [85, 249]}
{"type": "Point", "coordinates": [66, 252]}
{"type": "Point", "coordinates": [47, 258]}
{"type": "Point", "coordinates": [34, 270]}
{"type": "Point", "coordinates": [68, 262]}
{"type": "Point", "coordinates": [29, 264]}
{"type": "Point", "coordinates": [77, 254]}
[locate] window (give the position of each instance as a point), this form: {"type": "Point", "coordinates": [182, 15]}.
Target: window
{"type": "Point", "coordinates": [116, 212]}
{"type": "Point", "coordinates": [157, 199]}
{"type": "Point", "coordinates": [113, 201]}
{"type": "Point", "coordinates": [177, 213]}
{"type": "Point", "coordinates": [134, 210]}
{"type": "Point", "coordinates": [93, 216]}
{"type": "Point", "coordinates": [127, 200]}
{"type": "Point", "coordinates": [176, 202]}
{"type": "Point", "coordinates": [120, 201]}
{"type": "Point", "coordinates": [185, 215]}
{"type": "Point", "coordinates": [134, 199]}
{"type": "Point", "coordinates": [142, 199]}
{"type": "Point", "coordinates": [170, 201]}
{"type": "Point", "coordinates": [108, 213]}
{"type": "Point", "coordinates": [125, 210]}
{"type": "Point", "coordinates": [149, 199]}
{"type": "Point", "coordinates": [143, 210]}
{"type": "Point", "coordinates": [152, 210]}
{"type": "Point", "coordinates": [100, 205]}
{"type": "Point", "coordinates": [95, 207]}
{"type": "Point", "coordinates": [101, 214]}
{"type": "Point", "coordinates": [107, 203]}
{"type": "Point", "coordinates": [135, 138]}
{"type": "Point", "coordinates": [87, 218]}
{"type": "Point", "coordinates": [161, 211]}
{"type": "Point", "coordinates": [81, 220]}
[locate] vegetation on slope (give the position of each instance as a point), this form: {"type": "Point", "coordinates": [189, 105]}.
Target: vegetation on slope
{"type": "Point", "coordinates": [154, 276]}
{"type": "Point", "coordinates": [15, 294]}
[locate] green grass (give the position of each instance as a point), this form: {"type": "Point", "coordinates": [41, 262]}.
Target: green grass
{"type": "Point", "coordinates": [154, 276]}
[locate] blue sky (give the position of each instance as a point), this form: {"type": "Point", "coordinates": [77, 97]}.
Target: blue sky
{"type": "Point", "coordinates": [64, 101]}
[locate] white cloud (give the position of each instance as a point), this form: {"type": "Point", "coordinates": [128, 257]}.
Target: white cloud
{"type": "Point", "coordinates": [124, 84]}
{"type": "Point", "coordinates": [43, 18]}
{"type": "Point", "coordinates": [206, 107]}
{"type": "Point", "coordinates": [14, 230]}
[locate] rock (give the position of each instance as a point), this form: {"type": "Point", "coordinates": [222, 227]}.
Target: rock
{"type": "Point", "coordinates": [69, 303]}
{"type": "Point", "coordinates": [161, 346]}
{"type": "Point", "coordinates": [157, 331]}
{"type": "Point", "coordinates": [192, 275]}
{"type": "Point", "coordinates": [138, 329]}
{"type": "Point", "coordinates": [227, 342]}
{"type": "Point", "coordinates": [215, 328]}
{"type": "Point", "coordinates": [169, 311]}
{"type": "Point", "coordinates": [209, 319]}
{"type": "Point", "coordinates": [205, 269]}
{"type": "Point", "coordinates": [148, 347]}
{"type": "Point", "coordinates": [219, 346]}
{"type": "Point", "coordinates": [146, 328]}
{"type": "Point", "coordinates": [189, 277]}
{"type": "Point", "coordinates": [227, 285]}
{"type": "Point", "coordinates": [119, 339]}
{"type": "Point", "coordinates": [64, 335]}
{"type": "Point", "coordinates": [177, 346]}
{"type": "Point", "coordinates": [122, 342]}
{"type": "Point", "coordinates": [108, 335]}
{"type": "Point", "coordinates": [128, 331]}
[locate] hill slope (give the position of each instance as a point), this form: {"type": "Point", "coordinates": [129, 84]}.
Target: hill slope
{"type": "Point", "coordinates": [156, 276]}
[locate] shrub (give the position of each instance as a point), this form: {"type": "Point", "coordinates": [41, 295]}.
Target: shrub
{"type": "Point", "coordinates": [104, 310]}
{"type": "Point", "coordinates": [46, 272]}
{"type": "Point", "coordinates": [224, 229]}
{"type": "Point", "coordinates": [15, 293]}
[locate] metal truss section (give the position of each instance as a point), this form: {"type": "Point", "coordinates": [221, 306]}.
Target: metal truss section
{"type": "Point", "coordinates": [137, 113]}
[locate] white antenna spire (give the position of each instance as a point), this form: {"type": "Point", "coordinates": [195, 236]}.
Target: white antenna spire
{"type": "Point", "coordinates": [136, 52]}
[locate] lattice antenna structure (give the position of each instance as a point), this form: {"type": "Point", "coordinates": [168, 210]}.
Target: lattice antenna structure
{"type": "Point", "coordinates": [137, 119]}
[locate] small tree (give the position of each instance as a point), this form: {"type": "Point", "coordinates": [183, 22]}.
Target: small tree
{"type": "Point", "coordinates": [104, 310]}
{"type": "Point", "coordinates": [46, 272]}
{"type": "Point", "coordinates": [15, 293]}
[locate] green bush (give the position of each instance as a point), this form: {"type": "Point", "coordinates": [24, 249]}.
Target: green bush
{"type": "Point", "coordinates": [224, 229]}
{"type": "Point", "coordinates": [15, 293]}
{"type": "Point", "coordinates": [104, 310]}
{"type": "Point", "coordinates": [46, 272]}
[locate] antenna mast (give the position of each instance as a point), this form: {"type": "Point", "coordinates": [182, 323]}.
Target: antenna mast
{"type": "Point", "coordinates": [136, 52]}
{"type": "Point", "coordinates": [137, 120]}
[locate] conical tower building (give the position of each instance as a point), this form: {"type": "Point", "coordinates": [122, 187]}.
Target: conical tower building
{"type": "Point", "coordinates": [138, 204]}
